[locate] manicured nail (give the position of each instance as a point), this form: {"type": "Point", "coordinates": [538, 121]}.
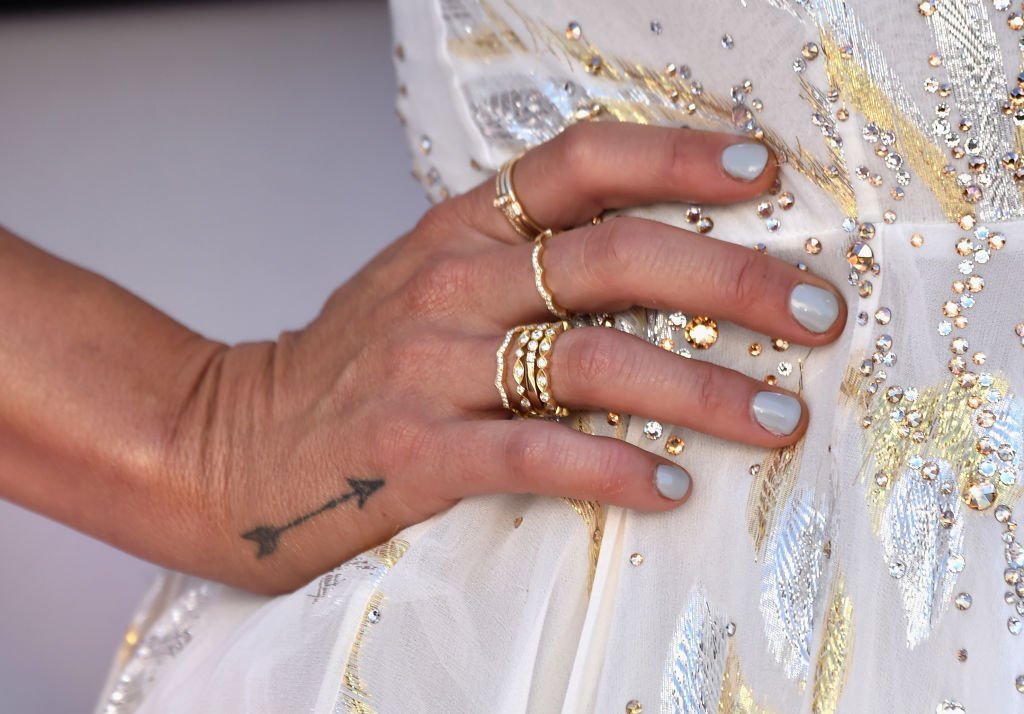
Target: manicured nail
{"type": "Point", "coordinates": [745, 161]}
{"type": "Point", "coordinates": [778, 413]}
{"type": "Point", "coordinates": [813, 307]}
{"type": "Point", "coordinates": [672, 482]}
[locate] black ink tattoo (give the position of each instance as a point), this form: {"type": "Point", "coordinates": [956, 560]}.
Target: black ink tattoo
{"type": "Point", "coordinates": [266, 537]}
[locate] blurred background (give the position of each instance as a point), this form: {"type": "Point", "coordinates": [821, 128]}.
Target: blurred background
{"type": "Point", "coordinates": [230, 162]}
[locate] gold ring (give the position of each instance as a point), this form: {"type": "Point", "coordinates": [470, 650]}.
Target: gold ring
{"type": "Point", "coordinates": [507, 202]}
{"type": "Point", "coordinates": [499, 379]}
{"type": "Point", "coordinates": [533, 354]}
{"type": "Point", "coordinates": [538, 278]}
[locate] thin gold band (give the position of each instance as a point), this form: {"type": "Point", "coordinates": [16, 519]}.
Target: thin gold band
{"type": "Point", "coordinates": [538, 277]}
{"type": "Point", "coordinates": [509, 204]}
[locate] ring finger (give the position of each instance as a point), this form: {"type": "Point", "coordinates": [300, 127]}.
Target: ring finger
{"type": "Point", "coordinates": [601, 368]}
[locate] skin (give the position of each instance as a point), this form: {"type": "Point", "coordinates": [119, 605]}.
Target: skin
{"type": "Point", "coordinates": [264, 464]}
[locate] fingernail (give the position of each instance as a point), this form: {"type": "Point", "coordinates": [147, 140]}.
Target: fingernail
{"type": "Point", "coordinates": [778, 413]}
{"type": "Point", "coordinates": [745, 161]}
{"type": "Point", "coordinates": [813, 307]}
{"type": "Point", "coordinates": [672, 482]}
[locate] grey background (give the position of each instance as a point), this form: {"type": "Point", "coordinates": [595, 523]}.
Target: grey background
{"type": "Point", "coordinates": [231, 164]}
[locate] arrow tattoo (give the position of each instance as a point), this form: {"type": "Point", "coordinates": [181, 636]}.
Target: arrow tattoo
{"type": "Point", "coordinates": [266, 537]}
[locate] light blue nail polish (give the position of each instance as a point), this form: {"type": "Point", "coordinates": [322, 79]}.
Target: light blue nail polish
{"type": "Point", "coordinates": [813, 307]}
{"type": "Point", "coordinates": [778, 413]}
{"type": "Point", "coordinates": [672, 482]}
{"type": "Point", "coordinates": [745, 161]}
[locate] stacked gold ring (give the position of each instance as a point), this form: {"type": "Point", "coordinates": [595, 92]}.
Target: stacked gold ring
{"type": "Point", "coordinates": [509, 204]}
{"type": "Point", "coordinates": [531, 370]}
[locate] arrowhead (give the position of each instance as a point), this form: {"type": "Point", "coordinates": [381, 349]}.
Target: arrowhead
{"type": "Point", "coordinates": [364, 488]}
{"type": "Point", "coordinates": [265, 537]}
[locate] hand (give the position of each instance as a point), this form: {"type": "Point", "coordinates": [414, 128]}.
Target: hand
{"type": "Point", "coordinates": [383, 412]}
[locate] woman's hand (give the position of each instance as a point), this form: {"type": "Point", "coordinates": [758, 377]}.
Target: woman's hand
{"type": "Point", "coordinates": [277, 461]}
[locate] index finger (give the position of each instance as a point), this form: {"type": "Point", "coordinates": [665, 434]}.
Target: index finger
{"type": "Point", "coordinates": [597, 166]}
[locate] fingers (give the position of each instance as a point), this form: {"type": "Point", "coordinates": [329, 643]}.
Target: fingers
{"type": "Point", "coordinates": [534, 456]}
{"type": "Point", "coordinates": [631, 261]}
{"type": "Point", "coordinates": [592, 167]}
{"type": "Point", "coordinates": [601, 368]}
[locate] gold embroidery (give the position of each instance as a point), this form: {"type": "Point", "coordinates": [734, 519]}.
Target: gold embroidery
{"type": "Point", "coordinates": [770, 490]}
{"type": "Point", "coordinates": [737, 697]}
{"type": "Point", "coordinates": [593, 515]}
{"type": "Point", "coordinates": [921, 153]}
{"type": "Point", "coordinates": [355, 694]}
{"type": "Point", "coordinates": [833, 664]}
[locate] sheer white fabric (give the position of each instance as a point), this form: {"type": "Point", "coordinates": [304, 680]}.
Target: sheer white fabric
{"type": "Point", "coordinates": [829, 578]}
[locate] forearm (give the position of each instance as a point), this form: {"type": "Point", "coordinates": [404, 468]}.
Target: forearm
{"type": "Point", "coordinates": [92, 385]}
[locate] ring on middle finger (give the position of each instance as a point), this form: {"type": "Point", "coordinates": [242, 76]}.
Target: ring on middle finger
{"type": "Point", "coordinates": [538, 278]}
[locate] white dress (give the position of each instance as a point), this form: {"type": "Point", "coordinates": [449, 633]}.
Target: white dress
{"type": "Point", "coordinates": [874, 567]}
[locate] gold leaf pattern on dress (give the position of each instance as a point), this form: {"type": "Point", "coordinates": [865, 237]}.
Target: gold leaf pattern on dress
{"type": "Point", "coordinates": [834, 657]}
{"type": "Point", "coordinates": [770, 490]}
{"type": "Point", "coordinates": [354, 697]}
{"type": "Point", "coordinates": [737, 696]}
{"type": "Point", "coordinates": [878, 105]}
{"type": "Point", "coordinates": [475, 31]}
{"type": "Point", "coordinates": [593, 515]}
{"type": "Point", "coordinates": [851, 388]}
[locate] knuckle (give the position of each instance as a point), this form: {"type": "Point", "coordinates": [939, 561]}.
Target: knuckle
{"type": "Point", "coordinates": [679, 158]}
{"type": "Point", "coordinates": [707, 389]}
{"type": "Point", "coordinates": [404, 443]}
{"type": "Point", "coordinates": [529, 453]}
{"type": "Point", "coordinates": [575, 146]}
{"type": "Point", "coordinates": [741, 277]}
{"type": "Point", "coordinates": [609, 252]}
{"type": "Point", "coordinates": [438, 286]}
{"type": "Point", "coordinates": [591, 358]}
{"type": "Point", "coordinates": [437, 221]}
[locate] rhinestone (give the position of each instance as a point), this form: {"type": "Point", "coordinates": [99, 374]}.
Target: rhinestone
{"type": "Point", "coordinates": [860, 256]}
{"type": "Point", "coordinates": [653, 430]}
{"type": "Point", "coordinates": [785, 369]}
{"type": "Point", "coordinates": [947, 519]}
{"type": "Point", "coordinates": [948, 706]}
{"type": "Point", "coordinates": [963, 601]}
{"type": "Point", "coordinates": [961, 654]}
{"type": "Point", "coordinates": [1015, 555]}
{"type": "Point", "coordinates": [917, 240]}
{"type": "Point", "coordinates": [813, 246]}
{"type": "Point", "coordinates": [675, 445]}
{"type": "Point", "coordinates": [1014, 625]}
{"type": "Point", "coordinates": [637, 559]}
{"type": "Point", "coordinates": [897, 570]}
{"type": "Point", "coordinates": [373, 616]}
{"type": "Point", "coordinates": [730, 629]}
{"type": "Point", "coordinates": [754, 349]}
{"type": "Point", "coordinates": [881, 479]}
{"type": "Point", "coordinates": [980, 495]}
{"type": "Point", "coordinates": [655, 27]}
{"type": "Point", "coordinates": [785, 200]}
{"type": "Point", "coordinates": [701, 332]}
{"type": "Point", "coordinates": [705, 224]}
{"type": "Point", "coordinates": [883, 315]}
{"type": "Point", "coordinates": [573, 31]}
{"type": "Point", "coordinates": [613, 419]}
{"type": "Point", "coordinates": [779, 344]}
{"type": "Point", "coordinates": [956, 563]}
{"type": "Point", "coordinates": [930, 471]}
{"type": "Point", "coordinates": [633, 706]}
{"type": "Point", "coordinates": [727, 41]}
{"type": "Point", "coordinates": [1020, 684]}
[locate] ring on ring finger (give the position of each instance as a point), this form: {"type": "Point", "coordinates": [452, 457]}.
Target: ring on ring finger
{"type": "Point", "coordinates": [531, 371]}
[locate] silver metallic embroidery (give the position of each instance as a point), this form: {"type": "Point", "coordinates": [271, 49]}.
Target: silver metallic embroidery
{"type": "Point", "coordinates": [918, 546]}
{"type": "Point", "coordinates": [518, 111]}
{"type": "Point", "coordinates": [692, 682]}
{"type": "Point", "coordinates": [971, 54]}
{"type": "Point", "coordinates": [168, 636]}
{"type": "Point", "coordinates": [792, 578]}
